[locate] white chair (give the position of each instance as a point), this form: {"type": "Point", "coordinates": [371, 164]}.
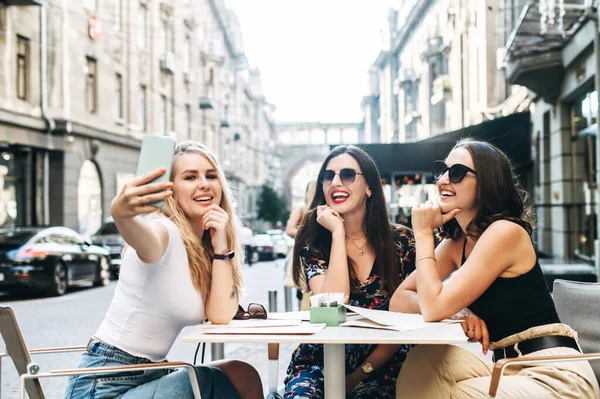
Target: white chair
{"type": "Point", "coordinates": [30, 373]}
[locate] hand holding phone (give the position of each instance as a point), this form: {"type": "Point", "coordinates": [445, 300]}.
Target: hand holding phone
{"type": "Point", "coordinates": [151, 187]}
{"type": "Point", "coordinates": [157, 152]}
{"type": "Point", "coordinates": [138, 193]}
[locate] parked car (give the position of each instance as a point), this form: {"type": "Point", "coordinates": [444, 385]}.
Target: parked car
{"type": "Point", "coordinates": [280, 243]}
{"type": "Point", "coordinates": [108, 237]}
{"type": "Point", "coordinates": [263, 246]}
{"type": "Point", "coordinates": [50, 259]}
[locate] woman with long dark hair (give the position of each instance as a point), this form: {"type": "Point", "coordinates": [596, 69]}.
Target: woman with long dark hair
{"type": "Point", "coordinates": [485, 226]}
{"type": "Point", "coordinates": [347, 244]}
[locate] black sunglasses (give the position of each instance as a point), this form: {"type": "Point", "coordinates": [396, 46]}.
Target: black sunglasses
{"type": "Point", "coordinates": [255, 311]}
{"type": "Point", "coordinates": [457, 171]}
{"type": "Point", "coordinates": [347, 176]}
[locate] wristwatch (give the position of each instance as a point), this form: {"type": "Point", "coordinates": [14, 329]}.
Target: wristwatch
{"type": "Point", "coordinates": [367, 368]}
{"type": "Point", "coordinates": [227, 256]}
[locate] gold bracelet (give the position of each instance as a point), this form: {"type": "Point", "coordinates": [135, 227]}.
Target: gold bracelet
{"type": "Point", "coordinates": [424, 257]}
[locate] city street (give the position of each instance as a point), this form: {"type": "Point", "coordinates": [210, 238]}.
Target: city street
{"type": "Point", "coordinates": [73, 318]}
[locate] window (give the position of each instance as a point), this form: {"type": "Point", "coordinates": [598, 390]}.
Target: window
{"type": "Point", "coordinates": [188, 119]}
{"type": "Point", "coordinates": [119, 96]}
{"type": "Point", "coordinates": [187, 54]}
{"type": "Point", "coordinates": [411, 101]}
{"type": "Point", "coordinates": [142, 33]}
{"type": "Point", "coordinates": [173, 111]}
{"type": "Point", "coordinates": [167, 34]}
{"type": "Point", "coordinates": [211, 77]}
{"type": "Point", "coordinates": [22, 67]}
{"type": "Point", "coordinates": [90, 5]}
{"type": "Point", "coordinates": [142, 117]}
{"type": "Point", "coordinates": [164, 112]}
{"type": "Point", "coordinates": [90, 85]}
{"type": "Point", "coordinates": [117, 18]}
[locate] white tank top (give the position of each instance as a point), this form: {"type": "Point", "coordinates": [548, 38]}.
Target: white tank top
{"type": "Point", "coordinates": [152, 302]}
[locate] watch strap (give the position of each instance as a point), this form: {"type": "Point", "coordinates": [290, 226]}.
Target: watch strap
{"type": "Point", "coordinates": [229, 255]}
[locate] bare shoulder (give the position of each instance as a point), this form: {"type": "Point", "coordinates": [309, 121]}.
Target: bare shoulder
{"type": "Point", "coordinates": [506, 231]}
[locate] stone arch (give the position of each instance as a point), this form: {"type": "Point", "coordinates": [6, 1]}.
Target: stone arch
{"type": "Point", "coordinates": [295, 158]}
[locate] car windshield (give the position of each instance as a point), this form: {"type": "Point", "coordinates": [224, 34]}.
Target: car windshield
{"type": "Point", "coordinates": [107, 228]}
{"type": "Point", "coordinates": [10, 239]}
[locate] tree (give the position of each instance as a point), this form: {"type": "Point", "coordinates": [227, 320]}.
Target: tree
{"type": "Point", "coordinates": [271, 206]}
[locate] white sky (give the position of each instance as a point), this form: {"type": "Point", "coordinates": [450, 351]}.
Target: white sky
{"type": "Point", "coordinates": [313, 54]}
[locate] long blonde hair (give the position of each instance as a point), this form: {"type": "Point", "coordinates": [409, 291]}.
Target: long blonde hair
{"type": "Point", "coordinates": [200, 250]}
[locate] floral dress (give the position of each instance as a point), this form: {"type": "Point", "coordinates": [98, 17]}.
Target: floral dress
{"type": "Point", "coordinates": [305, 372]}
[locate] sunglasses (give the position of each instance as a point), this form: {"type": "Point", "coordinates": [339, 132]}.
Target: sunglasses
{"type": "Point", "coordinates": [255, 311]}
{"type": "Point", "coordinates": [457, 171]}
{"type": "Point", "coordinates": [347, 176]}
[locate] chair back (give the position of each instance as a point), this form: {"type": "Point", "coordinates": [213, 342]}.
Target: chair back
{"type": "Point", "coordinates": [577, 305]}
{"type": "Point", "coordinates": [17, 350]}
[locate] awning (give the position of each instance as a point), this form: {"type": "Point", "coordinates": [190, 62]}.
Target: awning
{"type": "Point", "coordinates": [509, 133]}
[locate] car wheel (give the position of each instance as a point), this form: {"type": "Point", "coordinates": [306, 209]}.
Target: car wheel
{"type": "Point", "coordinates": [59, 280]}
{"type": "Point", "coordinates": [103, 273]}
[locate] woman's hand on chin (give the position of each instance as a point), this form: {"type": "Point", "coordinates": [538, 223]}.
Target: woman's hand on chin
{"type": "Point", "coordinates": [428, 216]}
{"type": "Point", "coordinates": [330, 219]}
{"type": "Point", "coordinates": [215, 219]}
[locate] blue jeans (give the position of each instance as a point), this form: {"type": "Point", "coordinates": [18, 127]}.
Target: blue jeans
{"type": "Point", "coordinates": [163, 384]}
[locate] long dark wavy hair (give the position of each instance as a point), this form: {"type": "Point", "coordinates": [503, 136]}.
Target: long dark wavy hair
{"type": "Point", "coordinates": [499, 193]}
{"type": "Point", "coordinates": [376, 225]}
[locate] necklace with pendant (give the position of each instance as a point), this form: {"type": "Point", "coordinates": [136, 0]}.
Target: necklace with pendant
{"type": "Point", "coordinates": [360, 249]}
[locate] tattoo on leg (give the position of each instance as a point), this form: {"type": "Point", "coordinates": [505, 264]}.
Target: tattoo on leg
{"type": "Point", "coordinates": [234, 292]}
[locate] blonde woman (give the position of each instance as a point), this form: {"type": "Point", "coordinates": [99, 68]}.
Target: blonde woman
{"type": "Point", "coordinates": [180, 267]}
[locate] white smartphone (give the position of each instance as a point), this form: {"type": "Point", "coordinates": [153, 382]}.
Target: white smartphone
{"type": "Point", "coordinates": [157, 152]}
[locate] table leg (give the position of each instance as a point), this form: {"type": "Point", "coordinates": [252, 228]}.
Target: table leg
{"type": "Point", "coordinates": [335, 371]}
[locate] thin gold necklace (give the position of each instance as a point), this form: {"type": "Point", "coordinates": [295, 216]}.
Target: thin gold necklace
{"type": "Point", "coordinates": [360, 250]}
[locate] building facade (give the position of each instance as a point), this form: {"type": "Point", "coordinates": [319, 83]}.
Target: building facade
{"type": "Point", "coordinates": [81, 84]}
{"type": "Point", "coordinates": [437, 71]}
{"type": "Point", "coordinates": [554, 52]}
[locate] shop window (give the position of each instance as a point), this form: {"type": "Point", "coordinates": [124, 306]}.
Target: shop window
{"type": "Point", "coordinates": [89, 199]}
{"type": "Point", "coordinates": [8, 189]}
{"type": "Point", "coordinates": [584, 127]}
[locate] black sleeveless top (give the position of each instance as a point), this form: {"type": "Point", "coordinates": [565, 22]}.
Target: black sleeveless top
{"type": "Point", "coordinates": [512, 305]}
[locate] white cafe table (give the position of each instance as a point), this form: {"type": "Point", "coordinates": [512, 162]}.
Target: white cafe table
{"type": "Point", "coordinates": [334, 339]}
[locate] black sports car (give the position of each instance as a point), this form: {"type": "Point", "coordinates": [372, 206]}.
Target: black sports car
{"type": "Point", "coordinates": [49, 259]}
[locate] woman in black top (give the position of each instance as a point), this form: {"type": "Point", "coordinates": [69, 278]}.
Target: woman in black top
{"type": "Point", "coordinates": [485, 229]}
